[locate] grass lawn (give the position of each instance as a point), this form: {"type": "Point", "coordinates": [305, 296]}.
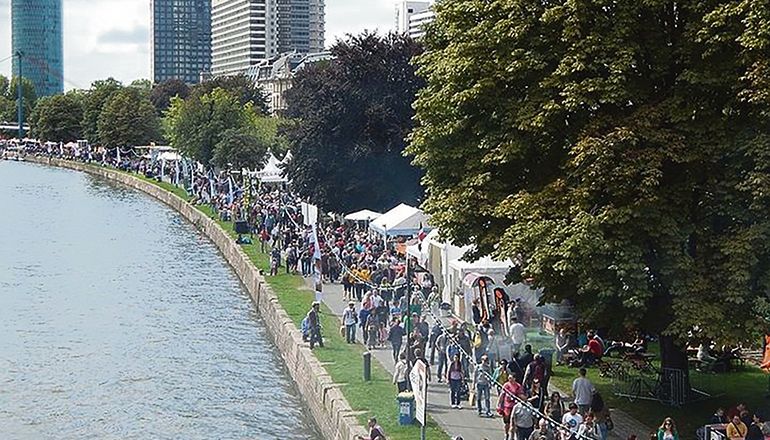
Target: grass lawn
{"type": "Point", "coordinates": [748, 385]}
{"type": "Point", "coordinates": [342, 361]}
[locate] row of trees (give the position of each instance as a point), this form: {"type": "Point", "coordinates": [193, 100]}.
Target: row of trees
{"type": "Point", "coordinates": [194, 119]}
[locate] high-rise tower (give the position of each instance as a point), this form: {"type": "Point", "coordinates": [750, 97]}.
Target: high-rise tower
{"type": "Point", "coordinates": [246, 32]}
{"type": "Point", "coordinates": [37, 35]}
{"type": "Point", "coordinates": [181, 39]}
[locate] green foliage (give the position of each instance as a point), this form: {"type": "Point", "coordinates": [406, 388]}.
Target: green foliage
{"type": "Point", "coordinates": [57, 118]}
{"type": "Point", "coordinates": [4, 84]}
{"type": "Point", "coordinates": [128, 119]}
{"type": "Point", "coordinates": [240, 149]}
{"type": "Point", "coordinates": [350, 117]}
{"type": "Point", "coordinates": [162, 93]}
{"type": "Point", "coordinates": [195, 126]}
{"type": "Point", "coordinates": [616, 150]}
{"type": "Point", "coordinates": [28, 94]}
{"type": "Point", "coordinates": [240, 86]}
{"type": "Point", "coordinates": [96, 98]}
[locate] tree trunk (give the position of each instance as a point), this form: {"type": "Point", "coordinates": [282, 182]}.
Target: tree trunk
{"type": "Point", "coordinates": [675, 374]}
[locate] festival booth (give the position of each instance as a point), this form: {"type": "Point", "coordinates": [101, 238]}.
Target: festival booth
{"type": "Point", "coordinates": [403, 220]}
{"type": "Point", "coordinates": [272, 172]}
{"type": "Point", "coordinates": [466, 280]}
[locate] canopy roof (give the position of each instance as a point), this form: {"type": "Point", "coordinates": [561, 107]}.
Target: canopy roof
{"type": "Point", "coordinates": [169, 155]}
{"type": "Point", "coordinates": [362, 216]}
{"type": "Point", "coordinates": [401, 220]}
{"type": "Point", "coordinates": [272, 171]}
{"type": "Point", "coordinates": [483, 265]}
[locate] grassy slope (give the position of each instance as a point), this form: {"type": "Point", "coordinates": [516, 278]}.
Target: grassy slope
{"type": "Point", "coordinates": [341, 360]}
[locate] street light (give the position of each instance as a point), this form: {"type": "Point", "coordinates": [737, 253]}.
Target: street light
{"type": "Point", "coordinates": [20, 94]}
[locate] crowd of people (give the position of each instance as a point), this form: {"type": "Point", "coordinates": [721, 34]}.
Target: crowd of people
{"type": "Point", "coordinates": [391, 307]}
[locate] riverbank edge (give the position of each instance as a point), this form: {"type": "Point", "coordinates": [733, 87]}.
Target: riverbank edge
{"type": "Point", "coordinates": [329, 408]}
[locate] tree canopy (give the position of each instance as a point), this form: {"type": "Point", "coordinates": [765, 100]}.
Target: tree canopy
{"type": "Point", "coordinates": [240, 149]}
{"type": "Point", "coordinates": [162, 93]}
{"type": "Point", "coordinates": [617, 151]}
{"type": "Point", "coordinates": [96, 98]}
{"type": "Point", "coordinates": [128, 119]}
{"type": "Point", "coordinates": [350, 116]}
{"type": "Point", "coordinates": [244, 89]}
{"type": "Point", "coordinates": [195, 125]}
{"type": "Point", "coordinates": [58, 118]}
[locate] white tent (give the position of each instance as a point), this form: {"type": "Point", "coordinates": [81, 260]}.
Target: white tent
{"type": "Point", "coordinates": [459, 270]}
{"type": "Point", "coordinates": [169, 155]}
{"type": "Point", "coordinates": [272, 171]}
{"type": "Point", "coordinates": [286, 159]}
{"type": "Point", "coordinates": [364, 215]}
{"type": "Point", "coordinates": [401, 220]}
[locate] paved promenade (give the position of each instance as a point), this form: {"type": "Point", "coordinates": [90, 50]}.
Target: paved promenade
{"type": "Point", "coordinates": [465, 422]}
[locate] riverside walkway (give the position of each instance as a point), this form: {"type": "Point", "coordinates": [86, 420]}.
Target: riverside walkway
{"type": "Point", "coordinates": [466, 422]}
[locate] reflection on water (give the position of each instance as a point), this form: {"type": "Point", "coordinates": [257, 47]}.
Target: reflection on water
{"type": "Point", "coordinates": [120, 321]}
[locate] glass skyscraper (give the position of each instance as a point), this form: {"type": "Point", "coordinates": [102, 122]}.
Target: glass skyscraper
{"type": "Point", "coordinates": [37, 34]}
{"type": "Point", "coordinates": [181, 39]}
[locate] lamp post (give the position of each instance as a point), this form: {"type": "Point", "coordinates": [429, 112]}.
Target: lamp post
{"type": "Point", "coordinates": [20, 94]}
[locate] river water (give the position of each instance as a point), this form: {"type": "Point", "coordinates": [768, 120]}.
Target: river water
{"type": "Point", "coordinates": [118, 320]}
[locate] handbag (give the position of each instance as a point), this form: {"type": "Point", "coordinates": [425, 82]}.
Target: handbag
{"type": "Point", "coordinates": [609, 423]}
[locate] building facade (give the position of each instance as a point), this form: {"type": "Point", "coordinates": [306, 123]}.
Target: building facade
{"type": "Point", "coordinates": [181, 39]}
{"type": "Point", "coordinates": [247, 32]}
{"type": "Point", "coordinates": [37, 35]}
{"type": "Point", "coordinates": [239, 35]}
{"type": "Point", "coordinates": [275, 76]}
{"type": "Point", "coordinates": [412, 16]}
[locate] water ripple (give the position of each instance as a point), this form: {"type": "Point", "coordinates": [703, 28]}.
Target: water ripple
{"type": "Point", "coordinates": [120, 321]}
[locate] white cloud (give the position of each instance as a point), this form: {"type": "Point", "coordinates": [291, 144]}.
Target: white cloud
{"type": "Point", "coordinates": [106, 38]}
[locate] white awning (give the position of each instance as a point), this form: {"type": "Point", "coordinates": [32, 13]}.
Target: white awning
{"type": "Point", "coordinates": [364, 215]}
{"type": "Point", "coordinates": [401, 220]}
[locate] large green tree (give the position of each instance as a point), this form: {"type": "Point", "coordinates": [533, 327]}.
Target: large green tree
{"type": "Point", "coordinates": [240, 148]}
{"type": "Point", "coordinates": [29, 97]}
{"type": "Point", "coordinates": [617, 151]}
{"type": "Point", "coordinates": [350, 116]}
{"type": "Point", "coordinates": [58, 118]}
{"type": "Point", "coordinates": [244, 89]}
{"type": "Point", "coordinates": [128, 119]}
{"type": "Point", "coordinates": [195, 125]}
{"type": "Point", "coordinates": [96, 98]}
{"type": "Point", "coordinates": [162, 93]}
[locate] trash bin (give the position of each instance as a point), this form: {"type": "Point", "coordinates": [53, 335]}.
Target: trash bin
{"type": "Point", "coordinates": [367, 366]}
{"type": "Point", "coordinates": [405, 408]}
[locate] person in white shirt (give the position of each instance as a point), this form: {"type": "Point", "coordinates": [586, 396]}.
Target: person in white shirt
{"type": "Point", "coordinates": [583, 390]}
{"type": "Point", "coordinates": [350, 319]}
{"type": "Point", "coordinates": [572, 419]}
{"type": "Point", "coordinates": [400, 373]}
{"type": "Point", "coordinates": [518, 334]}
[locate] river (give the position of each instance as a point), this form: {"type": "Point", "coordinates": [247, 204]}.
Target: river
{"type": "Point", "coordinates": [119, 320]}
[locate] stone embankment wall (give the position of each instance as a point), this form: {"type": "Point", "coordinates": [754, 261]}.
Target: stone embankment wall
{"type": "Point", "coordinates": [328, 406]}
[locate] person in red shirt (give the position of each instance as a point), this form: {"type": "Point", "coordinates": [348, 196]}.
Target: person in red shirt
{"type": "Point", "coordinates": [507, 401]}
{"type": "Point", "coordinates": [592, 352]}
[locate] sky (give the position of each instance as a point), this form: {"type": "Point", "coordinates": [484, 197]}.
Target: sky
{"type": "Point", "coordinates": [104, 38]}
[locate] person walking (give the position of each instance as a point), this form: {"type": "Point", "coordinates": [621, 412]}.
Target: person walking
{"type": "Point", "coordinates": [510, 394]}
{"type": "Point", "coordinates": [314, 324]}
{"type": "Point", "coordinates": [482, 378]}
{"type": "Point", "coordinates": [441, 345]}
{"type": "Point", "coordinates": [518, 334]}
{"type": "Point", "coordinates": [572, 419]}
{"type": "Point", "coordinates": [400, 373]}
{"type": "Point", "coordinates": [667, 430]}
{"type": "Point", "coordinates": [523, 419]}
{"type": "Point", "coordinates": [350, 320]}
{"type": "Point", "coordinates": [396, 337]}
{"type": "Point", "coordinates": [455, 375]}
{"type": "Point", "coordinates": [583, 391]}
